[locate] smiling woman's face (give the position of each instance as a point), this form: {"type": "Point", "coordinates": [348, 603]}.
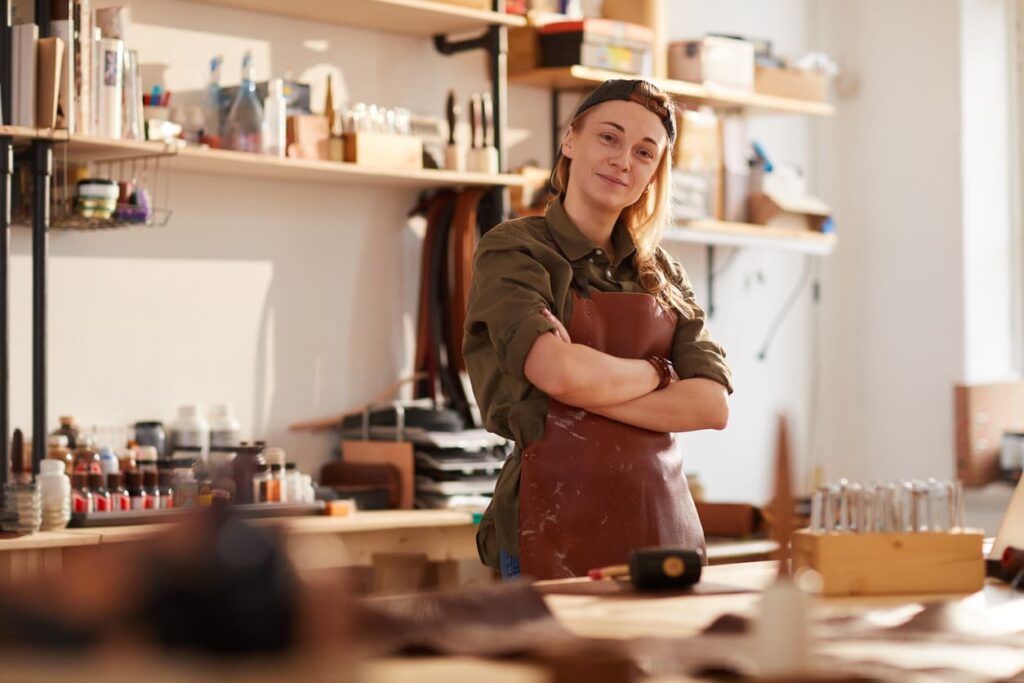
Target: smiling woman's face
{"type": "Point", "coordinates": [614, 152]}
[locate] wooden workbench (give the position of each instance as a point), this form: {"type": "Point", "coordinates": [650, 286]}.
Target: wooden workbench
{"type": "Point", "coordinates": [315, 543]}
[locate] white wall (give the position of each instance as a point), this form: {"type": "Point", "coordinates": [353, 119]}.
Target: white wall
{"type": "Point", "coordinates": [736, 464]}
{"type": "Point", "coordinates": [894, 329]}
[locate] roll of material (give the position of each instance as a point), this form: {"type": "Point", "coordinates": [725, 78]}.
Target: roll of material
{"type": "Point", "coordinates": [110, 88]}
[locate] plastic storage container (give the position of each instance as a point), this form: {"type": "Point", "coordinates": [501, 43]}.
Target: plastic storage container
{"type": "Point", "coordinates": [55, 493]}
{"type": "Point", "coordinates": [189, 431]}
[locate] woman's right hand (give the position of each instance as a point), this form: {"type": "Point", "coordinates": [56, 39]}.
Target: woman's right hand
{"type": "Point", "coordinates": [559, 330]}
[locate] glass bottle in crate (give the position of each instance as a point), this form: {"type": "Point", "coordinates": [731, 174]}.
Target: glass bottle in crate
{"type": "Point", "coordinates": [243, 126]}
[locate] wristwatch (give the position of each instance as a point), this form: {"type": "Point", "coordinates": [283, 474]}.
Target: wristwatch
{"type": "Point", "coordinates": [666, 371]}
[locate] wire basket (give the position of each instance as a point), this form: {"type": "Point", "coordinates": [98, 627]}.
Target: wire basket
{"type": "Point", "coordinates": [144, 172]}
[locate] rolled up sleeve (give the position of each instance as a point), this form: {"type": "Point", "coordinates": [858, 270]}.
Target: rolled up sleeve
{"type": "Point", "coordinates": [509, 292]}
{"type": "Point", "coordinates": [694, 353]}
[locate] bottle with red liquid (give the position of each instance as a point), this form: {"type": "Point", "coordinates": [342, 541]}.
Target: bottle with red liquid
{"type": "Point", "coordinates": [100, 496]}
{"type": "Point", "coordinates": [119, 500]}
{"type": "Point", "coordinates": [81, 496]}
{"type": "Point", "coordinates": [136, 494]}
{"type": "Point", "coordinates": [149, 485]}
{"type": "Point", "coordinates": [87, 458]}
{"type": "Point", "coordinates": [166, 489]}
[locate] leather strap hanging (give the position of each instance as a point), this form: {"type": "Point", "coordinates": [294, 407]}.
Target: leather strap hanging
{"type": "Point", "coordinates": [464, 241]}
{"type": "Point", "coordinates": [425, 357]}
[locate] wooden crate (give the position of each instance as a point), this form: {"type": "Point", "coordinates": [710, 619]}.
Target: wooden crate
{"type": "Point", "coordinates": [893, 563]}
{"type": "Point", "coordinates": [384, 150]}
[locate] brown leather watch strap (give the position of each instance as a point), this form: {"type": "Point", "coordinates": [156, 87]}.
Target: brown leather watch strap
{"type": "Point", "coordinates": [666, 371]}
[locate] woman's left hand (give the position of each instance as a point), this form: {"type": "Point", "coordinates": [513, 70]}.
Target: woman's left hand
{"type": "Point", "coordinates": [559, 330]}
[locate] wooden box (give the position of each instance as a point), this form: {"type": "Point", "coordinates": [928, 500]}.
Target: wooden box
{"type": "Point", "coordinates": [982, 413]}
{"type": "Point", "coordinates": [893, 563]}
{"type": "Point", "coordinates": [795, 83]}
{"type": "Point", "coordinates": [384, 150]}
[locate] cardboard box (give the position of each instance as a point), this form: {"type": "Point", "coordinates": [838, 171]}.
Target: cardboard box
{"type": "Point", "coordinates": [697, 165]}
{"type": "Point", "coordinates": [523, 49]}
{"type": "Point", "coordinates": [714, 61]}
{"type": "Point", "coordinates": [789, 213]}
{"type": "Point", "coordinates": [795, 83]}
{"type": "Point", "coordinates": [982, 413]}
{"type": "Point", "coordinates": [597, 43]}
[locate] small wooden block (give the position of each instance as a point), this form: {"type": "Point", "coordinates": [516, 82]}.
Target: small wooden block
{"type": "Point", "coordinates": [384, 150]}
{"type": "Point", "coordinates": [893, 563]}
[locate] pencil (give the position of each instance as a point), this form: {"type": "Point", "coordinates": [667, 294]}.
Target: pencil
{"type": "Point", "coordinates": [612, 572]}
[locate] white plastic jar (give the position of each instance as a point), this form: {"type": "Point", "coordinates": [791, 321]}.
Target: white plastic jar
{"type": "Point", "coordinates": [190, 431]}
{"type": "Point", "coordinates": [55, 492]}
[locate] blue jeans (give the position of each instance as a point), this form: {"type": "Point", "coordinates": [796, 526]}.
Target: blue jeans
{"type": "Point", "coordinates": [509, 566]}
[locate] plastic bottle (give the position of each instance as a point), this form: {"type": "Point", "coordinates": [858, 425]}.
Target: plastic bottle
{"type": "Point", "coordinates": [69, 429]}
{"type": "Point", "coordinates": [136, 494]}
{"type": "Point", "coordinates": [87, 460]}
{"type": "Point", "coordinates": [119, 500]}
{"type": "Point", "coordinates": [292, 483]}
{"type": "Point", "coordinates": [261, 484]}
{"type": "Point", "coordinates": [183, 478]}
{"type": "Point", "coordinates": [211, 106]}
{"type": "Point", "coordinates": [242, 128]}
{"type": "Point", "coordinates": [100, 496]}
{"type": "Point", "coordinates": [275, 459]}
{"type": "Point", "coordinates": [57, 449]}
{"type": "Point", "coordinates": [190, 432]}
{"type": "Point", "coordinates": [55, 491]}
{"type": "Point", "coordinates": [166, 489]}
{"type": "Point", "coordinates": [225, 430]}
{"type": "Point", "coordinates": [81, 496]}
{"type": "Point", "coordinates": [108, 460]}
{"type": "Point", "coordinates": [150, 484]}
{"type": "Point", "coordinates": [146, 457]}
{"type": "Point", "coordinates": [275, 116]}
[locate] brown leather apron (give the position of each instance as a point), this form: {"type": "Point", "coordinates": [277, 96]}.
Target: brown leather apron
{"type": "Point", "coordinates": [593, 488]}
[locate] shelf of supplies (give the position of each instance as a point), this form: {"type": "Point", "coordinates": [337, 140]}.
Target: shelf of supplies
{"type": "Point", "coordinates": [583, 77]}
{"type": "Point", "coordinates": [219, 161]}
{"type": "Point", "coordinates": [725, 234]}
{"type": "Point", "coordinates": [83, 148]}
{"type": "Point", "coordinates": [410, 17]}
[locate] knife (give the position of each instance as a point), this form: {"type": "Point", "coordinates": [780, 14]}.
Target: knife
{"type": "Point", "coordinates": [487, 125]}
{"type": "Point", "coordinates": [474, 119]}
{"type": "Point", "coordinates": [452, 113]}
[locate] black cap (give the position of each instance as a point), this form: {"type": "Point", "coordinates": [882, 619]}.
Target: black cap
{"type": "Point", "coordinates": [633, 90]}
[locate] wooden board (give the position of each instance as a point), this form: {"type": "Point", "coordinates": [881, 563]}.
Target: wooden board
{"type": "Point", "coordinates": [410, 17]}
{"type": "Point", "coordinates": [748, 235]}
{"type": "Point", "coordinates": [585, 78]}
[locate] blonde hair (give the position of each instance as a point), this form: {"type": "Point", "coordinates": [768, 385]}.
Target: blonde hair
{"type": "Point", "coordinates": [648, 217]}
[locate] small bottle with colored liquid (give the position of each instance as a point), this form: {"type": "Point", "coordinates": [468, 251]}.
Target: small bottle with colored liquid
{"type": "Point", "coordinates": [136, 493]}
{"type": "Point", "coordinates": [100, 496]}
{"type": "Point", "coordinates": [165, 487]}
{"type": "Point", "coordinates": [81, 496]}
{"type": "Point", "coordinates": [150, 479]}
{"type": "Point", "coordinates": [119, 501]}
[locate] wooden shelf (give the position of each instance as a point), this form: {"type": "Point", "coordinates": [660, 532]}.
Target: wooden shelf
{"type": "Point", "coordinates": [747, 235]}
{"type": "Point", "coordinates": [409, 17]}
{"type": "Point", "coordinates": [258, 166]}
{"type": "Point", "coordinates": [583, 78]}
{"type": "Point", "coordinates": [83, 148]}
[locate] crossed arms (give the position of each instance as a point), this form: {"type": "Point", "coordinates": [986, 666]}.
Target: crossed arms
{"type": "Point", "coordinates": [622, 389]}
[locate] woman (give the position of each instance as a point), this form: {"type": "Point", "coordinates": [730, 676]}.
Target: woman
{"type": "Point", "coordinates": [585, 346]}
